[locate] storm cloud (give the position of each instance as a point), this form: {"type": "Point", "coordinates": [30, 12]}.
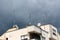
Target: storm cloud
{"type": "Point", "coordinates": [21, 12]}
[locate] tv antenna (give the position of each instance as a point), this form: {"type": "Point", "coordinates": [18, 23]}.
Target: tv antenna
{"type": "Point", "coordinates": [30, 20]}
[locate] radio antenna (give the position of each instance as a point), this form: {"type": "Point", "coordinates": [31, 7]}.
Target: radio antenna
{"type": "Point", "coordinates": [30, 20]}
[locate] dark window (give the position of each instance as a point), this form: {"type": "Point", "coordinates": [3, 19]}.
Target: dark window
{"type": "Point", "coordinates": [34, 36]}
{"type": "Point", "coordinates": [6, 38]}
{"type": "Point", "coordinates": [54, 32]}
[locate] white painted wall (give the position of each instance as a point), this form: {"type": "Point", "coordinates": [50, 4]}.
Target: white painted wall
{"type": "Point", "coordinates": [49, 28]}
{"type": "Point", "coordinates": [16, 35]}
{"type": "Point", "coordinates": [45, 34]}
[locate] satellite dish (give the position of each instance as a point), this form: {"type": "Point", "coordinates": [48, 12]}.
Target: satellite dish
{"type": "Point", "coordinates": [15, 26]}
{"type": "Point", "coordinates": [39, 24]}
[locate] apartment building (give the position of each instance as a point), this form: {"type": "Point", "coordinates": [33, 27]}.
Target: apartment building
{"type": "Point", "coordinates": [28, 33]}
{"type": "Point", "coordinates": [31, 32]}
{"type": "Point", "coordinates": [52, 31]}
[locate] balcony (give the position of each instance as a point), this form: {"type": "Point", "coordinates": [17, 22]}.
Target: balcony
{"type": "Point", "coordinates": [34, 36]}
{"type": "Point", "coordinates": [34, 29]}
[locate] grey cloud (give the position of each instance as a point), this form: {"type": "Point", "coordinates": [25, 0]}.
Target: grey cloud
{"type": "Point", "coordinates": [17, 11]}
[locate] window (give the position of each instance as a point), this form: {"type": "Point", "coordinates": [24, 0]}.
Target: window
{"type": "Point", "coordinates": [54, 32]}
{"type": "Point", "coordinates": [24, 37]}
{"type": "Point", "coordinates": [34, 36]}
{"type": "Point", "coordinates": [6, 38]}
{"type": "Point", "coordinates": [43, 38]}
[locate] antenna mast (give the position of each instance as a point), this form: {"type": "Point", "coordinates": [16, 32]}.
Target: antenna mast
{"type": "Point", "coordinates": [30, 19]}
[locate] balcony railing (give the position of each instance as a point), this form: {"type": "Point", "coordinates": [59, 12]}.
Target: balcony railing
{"type": "Point", "coordinates": [35, 39]}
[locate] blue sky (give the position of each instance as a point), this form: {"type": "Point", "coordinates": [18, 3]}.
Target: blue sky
{"type": "Point", "coordinates": [18, 11]}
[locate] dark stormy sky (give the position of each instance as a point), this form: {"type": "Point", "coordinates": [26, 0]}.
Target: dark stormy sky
{"type": "Point", "coordinates": [21, 12]}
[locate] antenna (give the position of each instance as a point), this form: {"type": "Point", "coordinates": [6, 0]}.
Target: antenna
{"type": "Point", "coordinates": [14, 18]}
{"type": "Point", "coordinates": [30, 19]}
{"type": "Point", "coordinates": [14, 26]}
{"type": "Point", "coordinates": [39, 24]}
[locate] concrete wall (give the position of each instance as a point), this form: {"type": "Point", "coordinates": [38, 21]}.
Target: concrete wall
{"type": "Point", "coordinates": [49, 28]}
{"type": "Point", "coordinates": [16, 35]}
{"type": "Point", "coordinates": [45, 34]}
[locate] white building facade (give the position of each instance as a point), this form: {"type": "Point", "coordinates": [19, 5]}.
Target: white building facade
{"type": "Point", "coordinates": [43, 32]}
{"type": "Point", "coordinates": [52, 31]}
{"type": "Point", "coordinates": [28, 33]}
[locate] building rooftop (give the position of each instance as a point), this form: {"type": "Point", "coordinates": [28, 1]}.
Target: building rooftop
{"type": "Point", "coordinates": [15, 27]}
